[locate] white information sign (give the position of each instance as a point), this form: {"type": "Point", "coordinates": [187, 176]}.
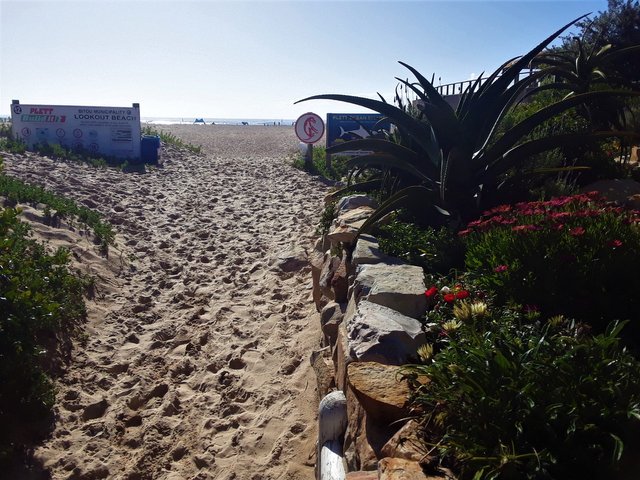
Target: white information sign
{"type": "Point", "coordinates": [109, 131]}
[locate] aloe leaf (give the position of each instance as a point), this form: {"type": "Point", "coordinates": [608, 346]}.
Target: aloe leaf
{"type": "Point", "coordinates": [520, 152]}
{"type": "Point", "coordinates": [548, 86]}
{"type": "Point", "coordinates": [367, 186]}
{"type": "Point", "coordinates": [618, 447]}
{"type": "Point", "coordinates": [416, 129]}
{"type": "Point", "coordinates": [511, 97]}
{"type": "Point", "coordinates": [501, 83]}
{"type": "Point", "coordinates": [526, 126]}
{"type": "Point", "coordinates": [431, 91]}
{"type": "Point", "coordinates": [444, 122]}
{"type": "Point", "coordinates": [387, 161]}
{"type": "Point", "coordinates": [471, 90]}
{"type": "Point", "coordinates": [385, 146]}
{"type": "Point", "coordinates": [408, 197]}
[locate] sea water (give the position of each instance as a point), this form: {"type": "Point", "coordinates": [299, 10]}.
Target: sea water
{"type": "Point", "coordinates": [218, 121]}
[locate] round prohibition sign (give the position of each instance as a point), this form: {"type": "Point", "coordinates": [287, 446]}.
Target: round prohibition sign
{"type": "Point", "coordinates": [26, 131]}
{"type": "Point", "coordinates": [77, 133]}
{"type": "Point", "coordinates": [309, 128]}
{"type": "Point", "coordinates": [60, 132]}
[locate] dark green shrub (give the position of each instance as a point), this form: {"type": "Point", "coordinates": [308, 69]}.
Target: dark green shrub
{"type": "Point", "coordinates": [41, 304]}
{"type": "Point", "coordinates": [435, 250]}
{"type": "Point", "coordinates": [511, 399]}
{"type": "Point", "coordinates": [573, 255]}
{"type": "Point", "coordinates": [326, 218]}
{"type": "Point", "coordinates": [337, 170]}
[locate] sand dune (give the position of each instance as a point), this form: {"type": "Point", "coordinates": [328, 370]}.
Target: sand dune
{"type": "Point", "coordinates": [196, 359]}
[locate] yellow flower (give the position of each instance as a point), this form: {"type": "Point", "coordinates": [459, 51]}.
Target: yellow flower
{"type": "Point", "coordinates": [479, 309]}
{"type": "Point", "coordinates": [462, 311]}
{"type": "Point", "coordinates": [425, 352]}
{"type": "Point", "coordinates": [451, 325]}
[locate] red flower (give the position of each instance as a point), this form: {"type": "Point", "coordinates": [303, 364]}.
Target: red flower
{"type": "Point", "coordinates": [577, 231]}
{"type": "Point", "coordinates": [525, 228]}
{"type": "Point", "coordinates": [449, 297]}
{"type": "Point", "coordinates": [463, 233]}
{"type": "Point", "coordinates": [501, 268]}
{"type": "Point", "coordinates": [615, 243]}
{"type": "Point", "coordinates": [462, 294]}
{"type": "Point", "coordinates": [433, 291]}
{"type": "Point", "coordinates": [560, 215]}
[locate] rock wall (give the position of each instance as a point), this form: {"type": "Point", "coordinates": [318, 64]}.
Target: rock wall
{"type": "Point", "coordinates": [370, 307]}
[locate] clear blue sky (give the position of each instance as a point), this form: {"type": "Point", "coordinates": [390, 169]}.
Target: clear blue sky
{"type": "Point", "coordinates": [236, 59]}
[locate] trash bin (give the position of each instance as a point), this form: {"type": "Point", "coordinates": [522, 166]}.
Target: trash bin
{"type": "Point", "coordinates": [149, 148]}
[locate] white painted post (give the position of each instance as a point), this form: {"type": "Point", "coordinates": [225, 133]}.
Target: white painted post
{"type": "Point", "coordinates": [332, 423]}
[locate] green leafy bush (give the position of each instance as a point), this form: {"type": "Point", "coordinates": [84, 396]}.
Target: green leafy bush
{"type": "Point", "coordinates": [337, 170]}
{"type": "Point", "coordinates": [574, 255]}
{"type": "Point", "coordinates": [435, 250]}
{"type": "Point", "coordinates": [17, 191]}
{"type": "Point", "coordinates": [40, 305]}
{"type": "Point", "coordinates": [508, 398]}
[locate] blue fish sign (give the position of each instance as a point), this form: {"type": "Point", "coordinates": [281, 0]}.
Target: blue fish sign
{"type": "Point", "coordinates": [343, 127]}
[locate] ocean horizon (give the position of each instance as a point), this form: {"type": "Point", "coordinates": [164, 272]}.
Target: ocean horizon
{"type": "Point", "coordinates": [207, 120]}
{"type": "Point", "coordinates": [217, 121]}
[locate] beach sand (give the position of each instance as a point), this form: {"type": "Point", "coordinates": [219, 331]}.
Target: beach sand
{"type": "Point", "coordinates": [195, 363]}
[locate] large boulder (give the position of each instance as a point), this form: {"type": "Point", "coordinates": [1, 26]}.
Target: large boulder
{"type": "Point", "coordinates": [354, 201]}
{"type": "Point", "coordinates": [330, 319]}
{"type": "Point", "coordinates": [396, 286]}
{"type": "Point", "coordinates": [379, 334]}
{"type": "Point", "coordinates": [367, 251]}
{"type": "Point", "coordinates": [346, 225]}
{"type": "Point", "coordinates": [407, 443]}
{"type": "Point", "coordinates": [380, 391]}
{"type": "Point", "coordinates": [402, 469]}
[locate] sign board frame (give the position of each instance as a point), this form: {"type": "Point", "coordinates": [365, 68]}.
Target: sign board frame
{"type": "Point", "coordinates": [108, 131]}
{"type": "Point", "coordinates": [342, 127]}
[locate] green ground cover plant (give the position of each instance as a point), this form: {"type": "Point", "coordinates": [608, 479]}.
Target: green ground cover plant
{"type": "Point", "coordinates": [57, 207]}
{"type": "Point", "coordinates": [436, 250]}
{"type": "Point", "coordinates": [509, 398]}
{"type": "Point", "coordinates": [41, 304]}
{"type": "Point", "coordinates": [572, 255]}
{"type": "Point", "coordinates": [337, 170]}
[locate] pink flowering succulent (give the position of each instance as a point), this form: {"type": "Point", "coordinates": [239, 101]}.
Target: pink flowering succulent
{"type": "Point", "coordinates": [557, 253]}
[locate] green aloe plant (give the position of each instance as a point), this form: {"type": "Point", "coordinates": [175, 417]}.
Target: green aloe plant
{"type": "Point", "coordinates": [583, 68]}
{"type": "Point", "coordinates": [449, 164]}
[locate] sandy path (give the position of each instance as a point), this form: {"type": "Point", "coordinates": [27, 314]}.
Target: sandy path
{"type": "Point", "coordinates": [196, 360]}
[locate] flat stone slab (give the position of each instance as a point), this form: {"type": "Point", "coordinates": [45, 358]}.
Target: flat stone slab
{"type": "Point", "coordinates": [379, 334]}
{"type": "Point", "coordinates": [346, 225]}
{"type": "Point", "coordinates": [397, 286]}
{"type": "Point", "coordinates": [379, 390]}
{"type": "Point", "coordinates": [367, 251]}
{"type": "Point", "coordinates": [355, 201]}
